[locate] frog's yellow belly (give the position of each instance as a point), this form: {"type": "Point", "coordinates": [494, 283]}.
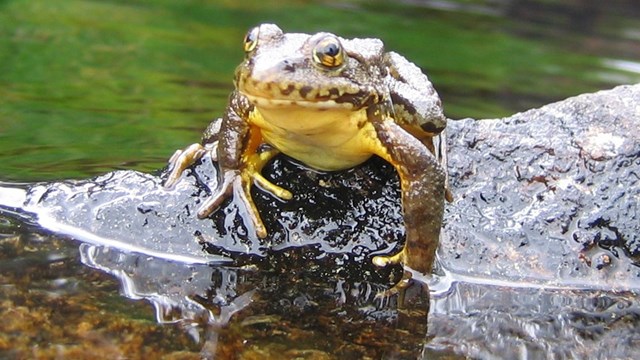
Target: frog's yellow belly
{"type": "Point", "coordinates": [317, 156]}
{"type": "Point", "coordinates": [333, 139]}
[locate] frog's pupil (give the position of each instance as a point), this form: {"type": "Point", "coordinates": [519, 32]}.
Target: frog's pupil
{"type": "Point", "coordinates": [328, 53]}
{"type": "Point", "coordinates": [331, 50]}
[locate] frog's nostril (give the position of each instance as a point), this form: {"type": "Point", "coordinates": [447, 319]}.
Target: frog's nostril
{"type": "Point", "coordinates": [287, 66]}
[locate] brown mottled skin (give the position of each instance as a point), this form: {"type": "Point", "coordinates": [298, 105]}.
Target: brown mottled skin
{"type": "Point", "coordinates": [330, 103]}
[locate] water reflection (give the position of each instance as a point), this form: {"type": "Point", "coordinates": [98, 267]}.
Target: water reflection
{"type": "Point", "coordinates": [178, 292]}
{"type": "Point", "coordinates": [315, 310]}
{"type": "Point", "coordinates": [306, 308]}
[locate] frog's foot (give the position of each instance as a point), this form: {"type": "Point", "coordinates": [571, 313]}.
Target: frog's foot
{"type": "Point", "coordinates": [181, 160]}
{"type": "Point", "coordinates": [239, 183]}
{"type": "Point", "coordinates": [255, 163]}
{"type": "Point", "coordinates": [383, 260]}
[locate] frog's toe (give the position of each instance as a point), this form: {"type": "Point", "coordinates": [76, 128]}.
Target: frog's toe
{"type": "Point", "coordinates": [216, 199]}
{"type": "Point", "coordinates": [234, 182]}
{"type": "Point", "coordinates": [176, 170]}
{"type": "Point", "coordinates": [252, 173]}
{"type": "Point", "coordinates": [383, 260]}
{"type": "Point", "coordinates": [252, 212]}
{"type": "Point", "coordinates": [398, 289]}
{"type": "Point", "coordinates": [272, 188]}
{"type": "Point", "coordinates": [210, 205]}
{"type": "Point", "coordinates": [181, 160]}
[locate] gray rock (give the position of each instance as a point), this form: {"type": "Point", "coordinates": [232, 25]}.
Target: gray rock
{"type": "Point", "coordinates": [549, 195]}
{"type": "Point", "coordinates": [539, 256]}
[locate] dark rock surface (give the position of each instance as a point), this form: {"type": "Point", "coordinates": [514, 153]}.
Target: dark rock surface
{"type": "Point", "coordinates": [352, 213]}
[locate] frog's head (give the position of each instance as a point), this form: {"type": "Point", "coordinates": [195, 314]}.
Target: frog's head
{"type": "Point", "coordinates": [321, 71]}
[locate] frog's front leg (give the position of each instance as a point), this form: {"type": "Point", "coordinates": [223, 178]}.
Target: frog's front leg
{"type": "Point", "coordinates": [184, 158]}
{"type": "Point", "coordinates": [241, 163]}
{"type": "Point", "coordinates": [238, 181]}
{"type": "Point", "coordinates": [423, 193]}
{"type": "Point", "coordinates": [181, 160]}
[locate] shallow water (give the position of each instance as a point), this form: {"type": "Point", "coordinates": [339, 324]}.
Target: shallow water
{"type": "Point", "coordinates": [87, 87]}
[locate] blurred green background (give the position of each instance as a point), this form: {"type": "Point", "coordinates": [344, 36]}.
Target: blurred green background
{"type": "Point", "coordinates": [88, 86]}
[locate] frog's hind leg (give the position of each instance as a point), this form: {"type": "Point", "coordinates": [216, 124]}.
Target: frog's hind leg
{"type": "Point", "coordinates": [423, 193]}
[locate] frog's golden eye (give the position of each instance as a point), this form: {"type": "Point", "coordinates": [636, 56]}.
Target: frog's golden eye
{"type": "Point", "coordinates": [328, 52]}
{"type": "Point", "coordinates": [251, 39]}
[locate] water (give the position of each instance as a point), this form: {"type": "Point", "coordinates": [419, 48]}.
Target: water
{"type": "Point", "coordinates": [87, 87]}
{"type": "Point", "coordinates": [82, 93]}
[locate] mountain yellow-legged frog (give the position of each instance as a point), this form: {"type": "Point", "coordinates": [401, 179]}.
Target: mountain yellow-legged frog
{"type": "Point", "coordinates": [331, 103]}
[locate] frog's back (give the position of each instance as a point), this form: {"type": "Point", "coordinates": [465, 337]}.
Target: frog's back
{"type": "Point", "coordinates": [416, 104]}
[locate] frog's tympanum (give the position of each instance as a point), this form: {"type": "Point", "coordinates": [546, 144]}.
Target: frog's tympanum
{"type": "Point", "coordinates": [331, 103]}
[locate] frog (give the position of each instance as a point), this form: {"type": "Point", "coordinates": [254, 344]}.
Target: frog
{"type": "Point", "coordinates": [329, 103]}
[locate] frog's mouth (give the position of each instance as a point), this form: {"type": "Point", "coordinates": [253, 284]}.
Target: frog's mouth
{"type": "Point", "coordinates": [319, 104]}
{"type": "Point", "coordinates": [305, 118]}
{"type": "Point", "coordinates": [271, 95]}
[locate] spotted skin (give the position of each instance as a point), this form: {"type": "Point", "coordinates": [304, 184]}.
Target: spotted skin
{"type": "Point", "coordinates": [331, 103]}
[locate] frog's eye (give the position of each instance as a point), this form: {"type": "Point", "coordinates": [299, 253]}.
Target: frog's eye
{"type": "Point", "coordinates": [328, 52]}
{"type": "Point", "coordinates": [251, 39]}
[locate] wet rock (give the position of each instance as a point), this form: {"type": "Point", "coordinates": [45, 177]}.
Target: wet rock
{"type": "Point", "coordinates": [539, 253]}
{"type": "Point", "coordinates": [546, 196]}
{"type": "Point", "coordinates": [352, 214]}
{"type": "Point", "coordinates": [550, 194]}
